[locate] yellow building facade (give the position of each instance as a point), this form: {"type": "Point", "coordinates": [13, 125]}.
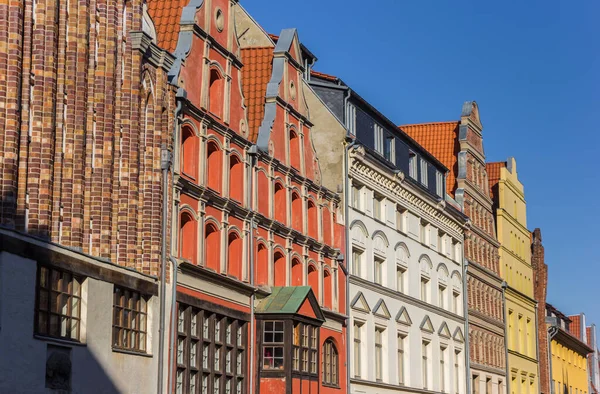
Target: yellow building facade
{"type": "Point", "coordinates": [515, 268]}
{"type": "Point", "coordinates": [568, 356]}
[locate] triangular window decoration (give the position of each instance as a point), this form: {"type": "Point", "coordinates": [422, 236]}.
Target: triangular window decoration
{"type": "Point", "coordinates": [427, 326]}
{"type": "Point", "coordinates": [444, 331]}
{"type": "Point", "coordinates": [360, 303]}
{"type": "Point", "coordinates": [403, 318]}
{"type": "Point", "coordinates": [381, 309]}
{"type": "Point", "coordinates": [458, 335]}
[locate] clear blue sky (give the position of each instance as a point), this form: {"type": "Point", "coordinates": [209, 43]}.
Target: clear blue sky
{"type": "Point", "coordinates": [532, 66]}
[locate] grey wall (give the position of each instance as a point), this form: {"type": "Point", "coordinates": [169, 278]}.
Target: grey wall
{"type": "Point", "coordinates": [96, 368]}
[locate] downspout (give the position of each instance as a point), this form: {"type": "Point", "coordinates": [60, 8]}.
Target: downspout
{"type": "Point", "coordinates": [173, 322]}
{"type": "Point", "coordinates": [467, 336]}
{"type": "Point", "coordinates": [252, 153]}
{"type": "Point", "coordinates": [180, 93]}
{"type": "Point", "coordinates": [552, 331]}
{"type": "Point", "coordinates": [508, 380]}
{"type": "Point", "coordinates": [537, 348]}
{"type": "Point", "coordinates": [347, 147]}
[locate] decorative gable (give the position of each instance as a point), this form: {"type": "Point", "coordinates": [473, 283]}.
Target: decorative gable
{"type": "Point", "coordinates": [444, 332]}
{"type": "Point", "coordinates": [403, 318]}
{"type": "Point", "coordinates": [427, 326]}
{"type": "Point", "coordinates": [458, 335]}
{"type": "Point", "coordinates": [360, 303]}
{"type": "Point", "coordinates": [381, 309]}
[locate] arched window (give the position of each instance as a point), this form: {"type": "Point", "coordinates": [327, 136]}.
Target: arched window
{"type": "Point", "coordinates": [213, 166]}
{"type": "Point", "coordinates": [296, 212]}
{"type": "Point", "coordinates": [297, 273]}
{"type": "Point", "coordinates": [189, 158]}
{"type": "Point", "coordinates": [313, 224]}
{"type": "Point", "coordinates": [294, 150]}
{"type": "Point", "coordinates": [279, 209]}
{"type": "Point", "coordinates": [326, 226]}
{"type": "Point", "coordinates": [234, 255]}
{"type": "Point", "coordinates": [313, 279]}
{"type": "Point", "coordinates": [236, 179]}
{"type": "Point", "coordinates": [329, 364]}
{"type": "Point", "coordinates": [212, 246]}
{"type": "Point", "coordinates": [279, 269]}
{"type": "Point", "coordinates": [215, 93]}
{"type": "Point", "coordinates": [262, 265]}
{"type": "Point", "coordinates": [187, 237]}
{"type": "Point", "coordinates": [263, 187]}
{"type": "Point", "coordinates": [327, 290]}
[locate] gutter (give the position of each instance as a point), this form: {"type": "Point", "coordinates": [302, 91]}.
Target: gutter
{"type": "Point", "coordinates": [466, 315]}
{"type": "Point", "coordinates": [252, 152]}
{"type": "Point", "coordinates": [508, 380]}
{"type": "Point", "coordinates": [537, 348]}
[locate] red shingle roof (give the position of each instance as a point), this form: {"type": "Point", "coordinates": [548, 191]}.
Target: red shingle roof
{"type": "Point", "coordinates": [493, 172]}
{"type": "Point", "coordinates": [575, 326]}
{"type": "Point", "coordinates": [323, 75]}
{"type": "Point", "coordinates": [588, 335]}
{"type": "Point", "coordinates": [441, 140]}
{"type": "Point", "coordinates": [256, 73]}
{"type": "Point", "coordinates": [166, 15]}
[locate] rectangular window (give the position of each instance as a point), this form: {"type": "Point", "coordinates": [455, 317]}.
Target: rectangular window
{"type": "Point", "coordinates": [273, 344]}
{"type": "Point", "coordinates": [357, 347]}
{"type": "Point", "coordinates": [457, 372]}
{"type": "Point", "coordinates": [424, 177]}
{"type": "Point", "coordinates": [401, 219]}
{"type": "Point", "coordinates": [378, 207]}
{"type": "Point", "coordinates": [58, 311]}
{"type": "Point", "coordinates": [379, 140]}
{"type": "Point", "coordinates": [356, 262]}
{"type": "Point", "coordinates": [425, 363]}
{"type": "Point", "coordinates": [401, 360]}
{"type": "Point", "coordinates": [390, 149]}
{"type": "Point", "coordinates": [379, 353]}
{"type": "Point", "coordinates": [351, 119]}
{"type": "Point", "coordinates": [441, 242]}
{"type": "Point", "coordinates": [424, 289]}
{"type": "Point", "coordinates": [400, 279]}
{"type": "Point", "coordinates": [379, 263]}
{"type": "Point", "coordinates": [455, 302]}
{"type": "Point", "coordinates": [424, 235]}
{"type": "Point", "coordinates": [356, 197]}
{"type": "Point", "coordinates": [304, 348]}
{"type": "Point", "coordinates": [442, 369]}
{"type": "Point", "coordinates": [442, 297]}
{"type": "Point", "coordinates": [439, 183]}
{"type": "Point", "coordinates": [412, 165]}
{"type": "Point", "coordinates": [129, 320]}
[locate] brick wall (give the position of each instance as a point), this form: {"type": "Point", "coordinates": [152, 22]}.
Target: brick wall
{"type": "Point", "coordinates": [540, 282]}
{"type": "Point", "coordinates": [83, 115]}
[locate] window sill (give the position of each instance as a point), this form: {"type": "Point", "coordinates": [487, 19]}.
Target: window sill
{"type": "Point", "coordinates": [131, 352]}
{"type": "Point", "coordinates": [333, 386]}
{"type": "Point", "coordinates": [60, 341]}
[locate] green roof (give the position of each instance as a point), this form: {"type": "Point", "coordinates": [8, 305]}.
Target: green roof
{"type": "Point", "coordinates": [284, 300]}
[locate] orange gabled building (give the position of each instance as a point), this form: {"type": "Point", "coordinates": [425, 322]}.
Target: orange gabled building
{"type": "Point", "coordinates": [252, 221]}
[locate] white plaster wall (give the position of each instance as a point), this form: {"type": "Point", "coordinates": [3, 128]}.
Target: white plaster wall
{"type": "Point", "coordinates": [96, 368]}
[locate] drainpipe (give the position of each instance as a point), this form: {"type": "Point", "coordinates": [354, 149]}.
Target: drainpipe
{"type": "Point", "coordinates": [252, 152]}
{"type": "Point", "coordinates": [552, 331]}
{"type": "Point", "coordinates": [173, 322]}
{"type": "Point", "coordinates": [348, 145]}
{"type": "Point", "coordinates": [537, 348]}
{"type": "Point", "coordinates": [508, 381]}
{"type": "Point", "coordinates": [467, 336]}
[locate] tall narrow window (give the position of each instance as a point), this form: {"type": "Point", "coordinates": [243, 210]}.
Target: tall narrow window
{"type": "Point", "coordinates": [400, 279]}
{"type": "Point", "coordinates": [424, 289]}
{"type": "Point", "coordinates": [356, 262]}
{"type": "Point", "coordinates": [442, 296]}
{"type": "Point", "coordinates": [378, 207]}
{"type": "Point", "coordinates": [212, 247]}
{"type": "Point", "coordinates": [424, 176]}
{"type": "Point", "coordinates": [279, 269]}
{"type": "Point", "coordinates": [189, 159]}
{"type": "Point", "coordinates": [379, 353]}
{"type": "Point", "coordinates": [187, 237]}
{"type": "Point", "coordinates": [425, 363]}
{"type": "Point", "coordinates": [424, 235]}
{"type": "Point", "coordinates": [401, 360]}
{"type": "Point", "coordinates": [313, 220]}
{"type": "Point", "coordinates": [356, 197]}
{"type": "Point", "coordinates": [457, 372]}
{"type": "Point", "coordinates": [297, 212]}
{"type": "Point", "coordinates": [351, 119]}
{"type": "Point", "coordinates": [214, 167]}
{"type": "Point", "coordinates": [455, 302]}
{"type": "Point", "coordinates": [216, 93]}
{"type": "Point", "coordinates": [379, 270]}
{"type": "Point", "coordinates": [297, 273]}
{"type": "Point", "coordinates": [401, 224]}
{"type": "Point", "coordinates": [329, 364]}
{"type": "Point", "coordinates": [379, 140]}
{"type": "Point", "coordinates": [327, 290]}
{"type": "Point", "coordinates": [234, 255]}
{"type": "Point", "coordinates": [412, 165]}
{"type": "Point", "coordinates": [129, 320]}
{"type": "Point", "coordinates": [236, 178]}
{"type": "Point", "coordinates": [294, 150]}
{"type": "Point", "coordinates": [357, 349]}
{"type": "Point", "coordinates": [442, 369]}
{"type": "Point", "coordinates": [439, 183]}
{"type": "Point", "coordinates": [262, 265]}
{"type": "Point", "coordinates": [390, 149]}
{"type": "Point", "coordinates": [313, 280]}
{"type": "Point", "coordinates": [280, 203]}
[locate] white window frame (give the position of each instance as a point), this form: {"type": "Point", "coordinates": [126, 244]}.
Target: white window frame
{"type": "Point", "coordinates": [439, 183]}
{"type": "Point", "coordinates": [424, 168]}
{"type": "Point", "coordinates": [357, 269]}
{"type": "Point", "coordinates": [351, 118]}
{"type": "Point", "coordinates": [392, 151]}
{"type": "Point", "coordinates": [412, 165]}
{"type": "Point", "coordinates": [379, 140]}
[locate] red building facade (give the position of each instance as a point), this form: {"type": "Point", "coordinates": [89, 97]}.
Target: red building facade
{"type": "Point", "coordinates": [253, 228]}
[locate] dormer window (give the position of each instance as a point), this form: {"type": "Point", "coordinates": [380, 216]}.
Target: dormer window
{"type": "Point", "coordinates": [424, 167]}
{"type": "Point", "coordinates": [390, 149]}
{"type": "Point", "coordinates": [379, 140]}
{"type": "Point", "coordinates": [351, 119]}
{"type": "Point", "coordinates": [439, 183]}
{"type": "Point", "coordinates": [412, 165]}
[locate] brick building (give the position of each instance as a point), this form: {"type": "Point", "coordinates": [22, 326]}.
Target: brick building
{"type": "Point", "coordinates": [459, 146]}
{"type": "Point", "coordinates": [540, 291]}
{"type": "Point", "coordinates": [86, 107]}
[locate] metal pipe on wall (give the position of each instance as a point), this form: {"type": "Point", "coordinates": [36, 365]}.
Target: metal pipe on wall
{"type": "Point", "coordinates": [466, 315]}
{"type": "Point", "coordinates": [252, 152]}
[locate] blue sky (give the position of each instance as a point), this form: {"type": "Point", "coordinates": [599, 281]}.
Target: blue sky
{"type": "Point", "coordinates": [532, 66]}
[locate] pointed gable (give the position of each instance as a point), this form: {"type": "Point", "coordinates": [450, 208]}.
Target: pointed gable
{"type": "Point", "coordinates": [427, 326]}
{"type": "Point", "coordinates": [444, 331]}
{"type": "Point", "coordinates": [403, 318]}
{"type": "Point", "coordinates": [381, 309]}
{"type": "Point", "coordinates": [458, 335]}
{"type": "Point", "coordinates": [291, 300]}
{"type": "Point", "coordinates": [360, 303]}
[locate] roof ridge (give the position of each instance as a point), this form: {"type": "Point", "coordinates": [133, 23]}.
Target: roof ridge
{"type": "Point", "coordinates": [429, 123]}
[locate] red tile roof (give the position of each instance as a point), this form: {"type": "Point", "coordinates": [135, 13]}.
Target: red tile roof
{"type": "Point", "coordinates": [588, 335]}
{"type": "Point", "coordinates": [575, 326]}
{"type": "Point", "coordinates": [323, 75]}
{"type": "Point", "coordinates": [441, 140]}
{"type": "Point", "coordinates": [493, 172]}
{"type": "Point", "coordinates": [166, 15]}
{"type": "Point", "coordinates": [256, 73]}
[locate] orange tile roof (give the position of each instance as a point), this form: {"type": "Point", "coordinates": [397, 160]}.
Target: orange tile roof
{"type": "Point", "coordinates": [256, 73]}
{"type": "Point", "coordinates": [323, 75]}
{"type": "Point", "coordinates": [575, 326]}
{"type": "Point", "coordinates": [588, 335]}
{"type": "Point", "coordinates": [441, 140]}
{"type": "Point", "coordinates": [493, 172]}
{"type": "Point", "coordinates": [166, 15]}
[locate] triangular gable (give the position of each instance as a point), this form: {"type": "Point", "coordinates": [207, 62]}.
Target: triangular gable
{"type": "Point", "coordinates": [444, 331]}
{"type": "Point", "coordinates": [360, 303]}
{"type": "Point", "coordinates": [288, 42]}
{"type": "Point", "coordinates": [458, 335]}
{"type": "Point", "coordinates": [427, 326]}
{"type": "Point", "coordinates": [291, 300]}
{"type": "Point", "coordinates": [381, 309]}
{"type": "Point", "coordinates": [403, 318]}
{"type": "Point", "coordinates": [306, 309]}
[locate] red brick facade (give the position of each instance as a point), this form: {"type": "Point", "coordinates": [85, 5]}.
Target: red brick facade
{"type": "Point", "coordinates": [540, 290]}
{"type": "Point", "coordinates": [85, 109]}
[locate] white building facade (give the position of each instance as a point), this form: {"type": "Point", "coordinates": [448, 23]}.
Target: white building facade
{"type": "Point", "coordinates": [406, 285]}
